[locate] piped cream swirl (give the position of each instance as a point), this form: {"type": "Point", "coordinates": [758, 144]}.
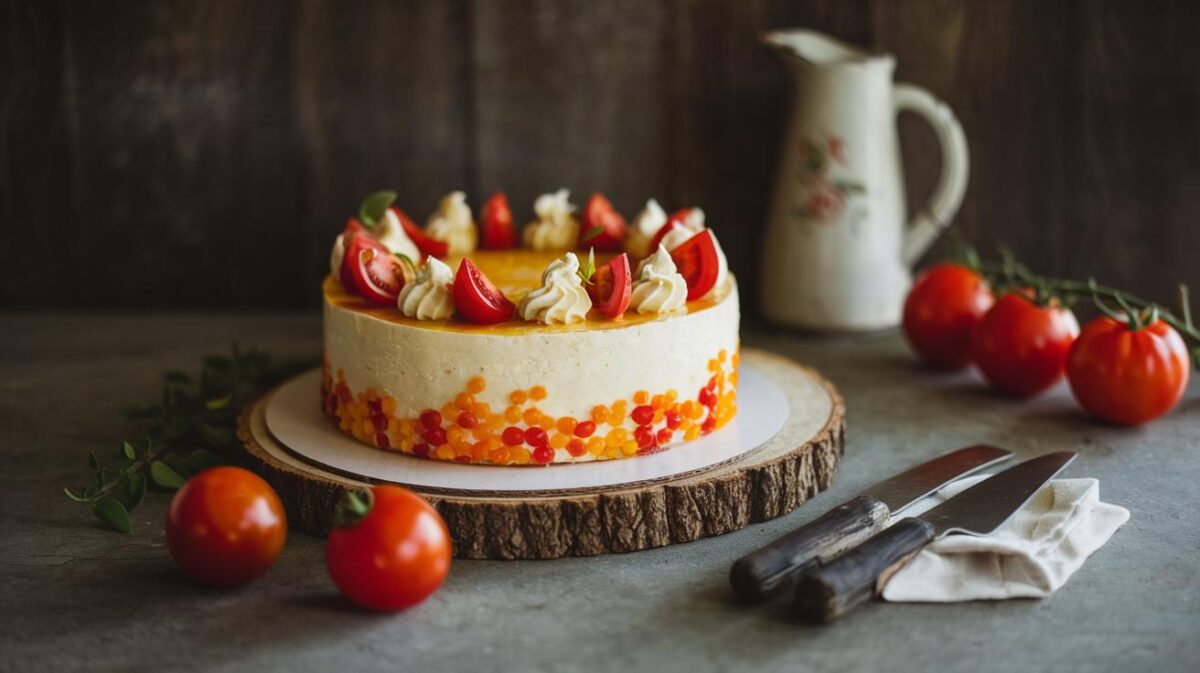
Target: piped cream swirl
{"type": "Point", "coordinates": [390, 232]}
{"type": "Point", "coordinates": [556, 228]}
{"type": "Point", "coordinates": [659, 287]}
{"type": "Point", "coordinates": [645, 226]}
{"type": "Point", "coordinates": [429, 297]}
{"type": "Point", "coordinates": [452, 223]}
{"type": "Point", "coordinates": [561, 298]}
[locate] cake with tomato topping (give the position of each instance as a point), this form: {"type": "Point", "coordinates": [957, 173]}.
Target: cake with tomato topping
{"type": "Point", "coordinates": [576, 339]}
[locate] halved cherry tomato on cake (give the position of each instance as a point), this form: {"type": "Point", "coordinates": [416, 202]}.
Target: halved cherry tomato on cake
{"type": "Point", "coordinates": [676, 219]}
{"type": "Point", "coordinates": [1020, 347]}
{"type": "Point", "coordinates": [611, 287]}
{"type": "Point", "coordinates": [696, 260]}
{"type": "Point", "coordinates": [1125, 374]}
{"type": "Point", "coordinates": [424, 242]}
{"type": "Point", "coordinates": [496, 224]}
{"type": "Point", "coordinates": [353, 226]}
{"type": "Point", "coordinates": [477, 298]}
{"type": "Point", "coordinates": [389, 551]}
{"type": "Point", "coordinates": [374, 272]}
{"type": "Point", "coordinates": [599, 213]}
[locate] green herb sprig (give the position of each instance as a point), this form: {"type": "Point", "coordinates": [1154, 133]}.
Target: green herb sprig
{"type": "Point", "coordinates": [191, 428]}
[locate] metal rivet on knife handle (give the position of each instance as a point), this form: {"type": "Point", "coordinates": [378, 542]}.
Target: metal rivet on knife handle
{"type": "Point", "coordinates": [766, 572]}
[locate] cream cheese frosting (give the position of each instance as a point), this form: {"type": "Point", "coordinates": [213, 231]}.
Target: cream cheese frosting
{"type": "Point", "coordinates": [390, 232]}
{"type": "Point", "coordinates": [556, 228]}
{"type": "Point", "coordinates": [429, 297]}
{"type": "Point", "coordinates": [337, 255]}
{"type": "Point", "coordinates": [452, 223]}
{"type": "Point", "coordinates": [561, 298]}
{"type": "Point", "coordinates": [659, 287]}
{"type": "Point", "coordinates": [645, 225]}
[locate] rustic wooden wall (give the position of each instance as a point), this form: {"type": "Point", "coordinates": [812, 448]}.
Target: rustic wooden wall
{"type": "Point", "coordinates": [203, 154]}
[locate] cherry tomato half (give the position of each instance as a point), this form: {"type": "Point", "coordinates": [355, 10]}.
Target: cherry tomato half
{"type": "Point", "coordinates": [1128, 376]}
{"type": "Point", "coordinates": [496, 224]}
{"type": "Point", "coordinates": [696, 260]}
{"type": "Point", "coordinates": [941, 312]}
{"type": "Point", "coordinates": [612, 287]}
{"type": "Point", "coordinates": [477, 298]}
{"type": "Point", "coordinates": [600, 213]}
{"type": "Point", "coordinates": [396, 556]}
{"type": "Point", "coordinates": [1020, 347]}
{"type": "Point", "coordinates": [374, 272]}
{"type": "Point", "coordinates": [226, 526]}
{"type": "Point", "coordinates": [428, 245]}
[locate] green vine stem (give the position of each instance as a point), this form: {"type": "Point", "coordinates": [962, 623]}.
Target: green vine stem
{"type": "Point", "coordinates": [1008, 275]}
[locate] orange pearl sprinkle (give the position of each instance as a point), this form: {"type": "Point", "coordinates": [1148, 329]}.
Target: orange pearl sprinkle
{"type": "Point", "coordinates": [617, 437]}
{"type": "Point", "coordinates": [600, 414]}
{"type": "Point", "coordinates": [559, 440]}
{"type": "Point", "coordinates": [517, 397]}
{"type": "Point", "coordinates": [512, 414]}
{"type": "Point", "coordinates": [464, 401]}
{"type": "Point", "coordinates": [499, 456]}
{"type": "Point", "coordinates": [481, 409]}
{"type": "Point", "coordinates": [450, 410]}
{"type": "Point", "coordinates": [595, 446]}
{"type": "Point", "coordinates": [476, 385]}
{"type": "Point", "coordinates": [619, 408]}
{"type": "Point", "coordinates": [629, 448]}
{"type": "Point", "coordinates": [658, 401]}
{"type": "Point", "coordinates": [445, 452]}
{"type": "Point", "coordinates": [537, 393]}
{"type": "Point", "coordinates": [565, 425]}
{"type": "Point", "coordinates": [640, 397]}
{"type": "Point", "coordinates": [532, 415]}
{"type": "Point", "coordinates": [520, 455]}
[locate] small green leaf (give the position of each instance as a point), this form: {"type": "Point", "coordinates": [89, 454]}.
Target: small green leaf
{"type": "Point", "coordinates": [202, 459]}
{"type": "Point", "coordinates": [373, 208]}
{"type": "Point", "coordinates": [588, 269]}
{"type": "Point", "coordinates": [219, 403]}
{"type": "Point", "coordinates": [135, 490]}
{"type": "Point", "coordinates": [113, 513]}
{"type": "Point", "coordinates": [128, 450]}
{"type": "Point", "coordinates": [164, 475]}
{"type": "Point", "coordinates": [216, 436]}
{"type": "Point", "coordinates": [591, 233]}
{"type": "Point", "coordinates": [93, 461]}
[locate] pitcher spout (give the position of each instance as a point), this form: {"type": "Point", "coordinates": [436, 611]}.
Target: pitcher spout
{"type": "Point", "coordinates": [814, 49]}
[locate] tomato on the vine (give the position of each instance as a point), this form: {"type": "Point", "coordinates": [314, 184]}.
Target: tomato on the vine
{"type": "Point", "coordinates": [226, 526]}
{"type": "Point", "coordinates": [1020, 347]}
{"type": "Point", "coordinates": [1126, 375]}
{"type": "Point", "coordinates": [943, 307]}
{"type": "Point", "coordinates": [392, 553]}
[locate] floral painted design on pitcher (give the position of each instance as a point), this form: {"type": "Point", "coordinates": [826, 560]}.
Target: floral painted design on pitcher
{"type": "Point", "coordinates": [823, 196]}
{"type": "Point", "coordinates": [838, 253]}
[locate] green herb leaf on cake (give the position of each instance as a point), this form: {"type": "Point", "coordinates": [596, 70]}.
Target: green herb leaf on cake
{"type": "Point", "coordinates": [373, 208]}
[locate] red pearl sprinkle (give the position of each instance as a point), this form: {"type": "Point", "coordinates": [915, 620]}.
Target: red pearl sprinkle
{"type": "Point", "coordinates": [543, 454]}
{"type": "Point", "coordinates": [585, 429]}
{"type": "Point", "coordinates": [467, 420]}
{"type": "Point", "coordinates": [707, 397]}
{"type": "Point", "coordinates": [512, 436]}
{"type": "Point", "coordinates": [673, 419]}
{"type": "Point", "coordinates": [380, 422]}
{"type": "Point", "coordinates": [435, 436]}
{"type": "Point", "coordinates": [536, 436]}
{"type": "Point", "coordinates": [421, 450]}
{"type": "Point", "coordinates": [644, 436]}
{"type": "Point", "coordinates": [381, 440]}
{"type": "Point", "coordinates": [665, 436]}
{"type": "Point", "coordinates": [462, 459]}
{"type": "Point", "coordinates": [576, 447]}
{"type": "Point", "coordinates": [643, 415]}
{"type": "Point", "coordinates": [431, 419]}
{"type": "Point", "coordinates": [709, 424]}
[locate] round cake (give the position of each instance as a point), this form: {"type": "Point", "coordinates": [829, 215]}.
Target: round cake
{"type": "Point", "coordinates": [545, 384]}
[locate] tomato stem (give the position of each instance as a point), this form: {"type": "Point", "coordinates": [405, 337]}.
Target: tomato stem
{"type": "Point", "coordinates": [353, 508]}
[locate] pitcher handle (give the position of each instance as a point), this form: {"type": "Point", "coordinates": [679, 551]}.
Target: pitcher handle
{"type": "Point", "coordinates": [929, 222]}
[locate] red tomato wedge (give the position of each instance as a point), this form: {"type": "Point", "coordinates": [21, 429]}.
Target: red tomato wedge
{"type": "Point", "coordinates": [675, 220]}
{"type": "Point", "coordinates": [496, 224]}
{"type": "Point", "coordinates": [696, 260]}
{"type": "Point", "coordinates": [477, 298]}
{"type": "Point", "coordinates": [373, 272]}
{"type": "Point", "coordinates": [424, 243]}
{"type": "Point", "coordinates": [611, 288]}
{"type": "Point", "coordinates": [353, 226]}
{"type": "Point", "coordinates": [600, 213]}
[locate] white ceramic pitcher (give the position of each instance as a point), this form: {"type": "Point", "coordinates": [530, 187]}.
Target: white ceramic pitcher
{"type": "Point", "coordinates": [838, 253]}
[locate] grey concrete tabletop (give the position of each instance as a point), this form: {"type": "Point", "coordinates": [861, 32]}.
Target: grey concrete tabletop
{"type": "Point", "coordinates": [75, 596]}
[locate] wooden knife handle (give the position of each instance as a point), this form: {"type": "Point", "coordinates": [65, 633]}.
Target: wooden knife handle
{"type": "Point", "coordinates": [764, 573]}
{"type": "Point", "coordinates": [837, 587]}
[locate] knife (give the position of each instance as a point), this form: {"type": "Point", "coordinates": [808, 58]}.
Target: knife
{"type": "Point", "coordinates": [766, 572]}
{"type": "Point", "coordinates": [837, 587]}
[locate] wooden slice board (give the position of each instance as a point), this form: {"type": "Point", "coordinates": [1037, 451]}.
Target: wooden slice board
{"type": "Point", "coordinates": [759, 485]}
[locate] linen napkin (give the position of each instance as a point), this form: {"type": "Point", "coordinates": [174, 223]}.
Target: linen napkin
{"type": "Point", "coordinates": [1033, 554]}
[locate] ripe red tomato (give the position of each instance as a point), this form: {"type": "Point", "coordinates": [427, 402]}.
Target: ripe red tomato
{"type": "Point", "coordinates": [1021, 347]}
{"type": "Point", "coordinates": [696, 260]}
{"type": "Point", "coordinates": [600, 213]}
{"type": "Point", "coordinates": [394, 557]}
{"type": "Point", "coordinates": [226, 526]}
{"type": "Point", "coordinates": [374, 272]}
{"type": "Point", "coordinates": [496, 222]}
{"type": "Point", "coordinates": [612, 287]}
{"type": "Point", "coordinates": [428, 245]}
{"type": "Point", "coordinates": [1128, 376]}
{"type": "Point", "coordinates": [943, 308]}
{"type": "Point", "coordinates": [477, 298]}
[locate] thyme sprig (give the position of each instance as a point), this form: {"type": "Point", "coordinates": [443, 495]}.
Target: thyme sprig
{"type": "Point", "coordinates": [1010, 275]}
{"type": "Point", "coordinates": [191, 428]}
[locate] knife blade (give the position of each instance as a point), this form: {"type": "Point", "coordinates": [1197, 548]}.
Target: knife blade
{"type": "Point", "coordinates": [837, 587]}
{"type": "Point", "coordinates": [767, 571]}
